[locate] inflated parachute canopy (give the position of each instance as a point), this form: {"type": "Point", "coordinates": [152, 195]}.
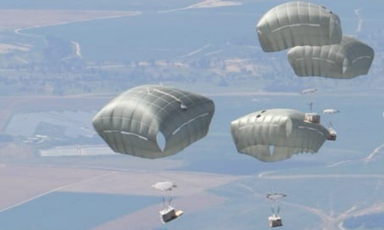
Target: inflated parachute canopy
{"type": "Point", "coordinates": [349, 59]}
{"type": "Point", "coordinates": [164, 186]}
{"type": "Point", "coordinates": [330, 111]}
{"type": "Point", "coordinates": [275, 196]}
{"type": "Point", "coordinates": [138, 120]}
{"type": "Point", "coordinates": [277, 134]}
{"type": "Point", "coordinates": [297, 24]}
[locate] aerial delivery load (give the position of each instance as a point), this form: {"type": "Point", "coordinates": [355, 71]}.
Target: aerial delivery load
{"type": "Point", "coordinates": [349, 59]}
{"type": "Point", "coordinates": [275, 220]}
{"type": "Point", "coordinates": [134, 122]}
{"type": "Point", "coordinates": [277, 134]}
{"type": "Point", "coordinates": [169, 213]}
{"type": "Point", "coordinates": [296, 24]}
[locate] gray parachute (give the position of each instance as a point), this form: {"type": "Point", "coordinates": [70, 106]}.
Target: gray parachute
{"type": "Point", "coordinates": [349, 59]}
{"type": "Point", "coordinates": [277, 134]}
{"type": "Point", "coordinates": [132, 122]}
{"type": "Point", "coordinates": [297, 24]}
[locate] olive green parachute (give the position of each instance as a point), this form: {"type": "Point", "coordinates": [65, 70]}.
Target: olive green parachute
{"type": "Point", "coordinates": [349, 59]}
{"type": "Point", "coordinates": [297, 24]}
{"type": "Point", "coordinates": [277, 134]}
{"type": "Point", "coordinates": [132, 122]}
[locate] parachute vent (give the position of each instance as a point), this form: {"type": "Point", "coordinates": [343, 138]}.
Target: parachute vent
{"type": "Point", "coordinates": [161, 140]}
{"type": "Point", "coordinates": [271, 150]}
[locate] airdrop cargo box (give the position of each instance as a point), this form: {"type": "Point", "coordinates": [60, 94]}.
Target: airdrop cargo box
{"type": "Point", "coordinates": [275, 221]}
{"type": "Point", "coordinates": [169, 214]}
{"type": "Point", "coordinates": [312, 118]}
{"type": "Point", "coordinates": [332, 134]}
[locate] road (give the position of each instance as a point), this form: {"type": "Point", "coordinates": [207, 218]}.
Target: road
{"type": "Point", "coordinates": [330, 221]}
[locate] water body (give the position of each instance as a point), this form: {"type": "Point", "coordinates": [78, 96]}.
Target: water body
{"type": "Point", "coordinates": [75, 211]}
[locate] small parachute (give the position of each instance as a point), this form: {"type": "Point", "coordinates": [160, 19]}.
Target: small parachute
{"type": "Point", "coordinates": [349, 59]}
{"type": "Point", "coordinates": [330, 111]}
{"type": "Point", "coordinates": [309, 91]}
{"type": "Point", "coordinates": [297, 24]}
{"type": "Point", "coordinates": [169, 213]}
{"type": "Point", "coordinates": [164, 186]}
{"type": "Point", "coordinates": [275, 196]}
{"type": "Point", "coordinates": [140, 119]}
{"type": "Point", "coordinates": [275, 220]}
{"type": "Point", "coordinates": [277, 134]}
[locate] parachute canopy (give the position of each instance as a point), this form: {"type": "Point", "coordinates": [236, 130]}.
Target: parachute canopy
{"type": "Point", "coordinates": [349, 59]}
{"type": "Point", "coordinates": [309, 91]}
{"type": "Point", "coordinates": [330, 111]}
{"type": "Point", "coordinates": [277, 134]}
{"type": "Point", "coordinates": [164, 186]}
{"type": "Point", "coordinates": [275, 196]}
{"type": "Point", "coordinates": [297, 24]}
{"type": "Point", "coordinates": [135, 121]}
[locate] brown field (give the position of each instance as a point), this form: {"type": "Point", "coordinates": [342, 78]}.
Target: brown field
{"type": "Point", "coordinates": [16, 19]}
{"type": "Point", "coordinates": [148, 218]}
{"type": "Point", "coordinates": [22, 184]}
{"type": "Point", "coordinates": [139, 183]}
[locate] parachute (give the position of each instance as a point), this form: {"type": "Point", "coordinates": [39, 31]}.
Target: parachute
{"type": "Point", "coordinates": [275, 220]}
{"type": "Point", "coordinates": [275, 196]}
{"type": "Point", "coordinates": [297, 24]}
{"type": "Point", "coordinates": [164, 186]}
{"type": "Point", "coordinates": [169, 213]}
{"type": "Point", "coordinates": [134, 122]}
{"type": "Point", "coordinates": [349, 59]}
{"type": "Point", "coordinates": [309, 91]}
{"type": "Point", "coordinates": [330, 111]}
{"type": "Point", "coordinates": [277, 134]}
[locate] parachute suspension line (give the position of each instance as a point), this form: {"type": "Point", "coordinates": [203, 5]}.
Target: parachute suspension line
{"type": "Point", "coordinates": [170, 198]}
{"type": "Point", "coordinates": [273, 207]}
{"type": "Point", "coordinates": [167, 202]}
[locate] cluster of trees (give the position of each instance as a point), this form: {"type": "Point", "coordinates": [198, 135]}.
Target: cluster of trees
{"type": "Point", "coordinates": [59, 71]}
